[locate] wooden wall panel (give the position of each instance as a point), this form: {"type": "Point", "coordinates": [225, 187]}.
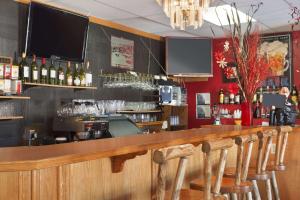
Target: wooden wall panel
{"type": "Point", "coordinates": [9, 185]}
{"type": "Point", "coordinates": [94, 180]}
{"type": "Point", "coordinates": [25, 185]}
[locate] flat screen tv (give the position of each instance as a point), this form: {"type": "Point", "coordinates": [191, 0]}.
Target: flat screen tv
{"type": "Point", "coordinates": [189, 56]}
{"type": "Point", "coordinates": [55, 32]}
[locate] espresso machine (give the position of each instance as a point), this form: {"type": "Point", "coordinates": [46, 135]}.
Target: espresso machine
{"type": "Point", "coordinates": [80, 128]}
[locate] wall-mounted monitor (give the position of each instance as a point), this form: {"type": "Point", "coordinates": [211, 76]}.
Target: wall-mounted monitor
{"type": "Point", "coordinates": [189, 56]}
{"type": "Point", "coordinates": [55, 32]}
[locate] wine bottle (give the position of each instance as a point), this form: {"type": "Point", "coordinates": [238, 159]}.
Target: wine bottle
{"type": "Point", "coordinates": [69, 76]}
{"type": "Point", "coordinates": [237, 98]}
{"type": "Point", "coordinates": [294, 95]}
{"type": "Point", "coordinates": [76, 78]}
{"type": "Point", "coordinates": [221, 96]}
{"type": "Point", "coordinates": [53, 74]}
{"type": "Point", "coordinates": [24, 69]}
{"type": "Point", "coordinates": [82, 76]}
{"type": "Point", "coordinates": [61, 75]}
{"type": "Point", "coordinates": [43, 72]}
{"type": "Point", "coordinates": [256, 113]}
{"type": "Point", "coordinates": [34, 70]}
{"type": "Point", "coordinates": [15, 68]}
{"type": "Point", "coordinates": [88, 75]}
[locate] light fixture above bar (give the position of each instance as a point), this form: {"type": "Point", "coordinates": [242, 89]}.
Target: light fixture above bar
{"type": "Point", "coordinates": [183, 13]}
{"type": "Point", "coordinates": [218, 15]}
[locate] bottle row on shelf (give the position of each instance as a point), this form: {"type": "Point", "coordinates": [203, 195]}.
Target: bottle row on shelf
{"type": "Point", "coordinates": [55, 74]}
{"type": "Point", "coordinates": [229, 97]}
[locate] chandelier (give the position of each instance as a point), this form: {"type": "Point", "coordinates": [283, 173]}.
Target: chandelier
{"type": "Point", "coordinates": [183, 13]}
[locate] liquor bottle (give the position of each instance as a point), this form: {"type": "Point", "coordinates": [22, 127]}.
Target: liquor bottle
{"type": "Point", "coordinates": [15, 68]}
{"type": "Point", "coordinates": [267, 90]}
{"type": "Point", "coordinates": [82, 76]}
{"type": "Point", "coordinates": [231, 98]}
{"type": "Point", "coordinates": [274, 90]}
{"type": "Point", "coordinates": [88, 75]}
{"type": "Point", "coordinates": [272, 117]}
{"type": "Point", "coordinates": [61, 75]}
{"type": "Point", "coordinates": [237, 98]}
{"type": "Point", "coordinates": [256, 95]}
{"type": "Point", "coordinates": [262, 112]}
{"type": "Point", "coordinates": [261, 95]}
{"type": "Point", "coordinates": [221, 96]}
{"type": "Point", "coordinates": [256, 113]}
{"type": "Point", "coordinates": [24, 69]}
{"type": "Point", "coordinates": [69, 76]}
{"type": "Point", "coordinates": [43, 72]}
{"type": "Point", "coordinates": [34, 71]}
{"type": "Point", "coordinates": [52, 74]}
{"type": "Point", "coordinates": [76, 78]}
{"type": "Point", "coordinates": [226, 98]}
{"type": "Point", "coordinates": [294, 95]}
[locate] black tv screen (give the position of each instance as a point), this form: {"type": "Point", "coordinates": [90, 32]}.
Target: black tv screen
{"type": "Point", "coordinates": [55, 32]}
{"type": "Point", "coordinates": [189, 56]}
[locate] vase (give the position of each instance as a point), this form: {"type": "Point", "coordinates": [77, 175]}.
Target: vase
{"type": "Point", "coordinates": [247, 116]}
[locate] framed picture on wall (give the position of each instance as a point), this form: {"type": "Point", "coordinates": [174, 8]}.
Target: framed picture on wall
{"type": "Point", "coordinates": [122, 53]}
{"type": "Point", "coordinates": [203, 106]}
{"type": "Point", "coordinates": [203, 98]}
{"type": "Point", "coordinates": [279, 52]}
{"type": "Point", "coordinates": [229, 73]}
{"type": "Point", "coordinates": [203, 112]}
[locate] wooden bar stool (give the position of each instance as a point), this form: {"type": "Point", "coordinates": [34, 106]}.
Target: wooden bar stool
{"type": "Point", "coordinates": [182, 152]}
{"type": "Point", "coordinates": [259, 173]}
{"type": "Point", "coordinates": [278, 165]}
{"type": "Point", "coordinates": [239, 184]}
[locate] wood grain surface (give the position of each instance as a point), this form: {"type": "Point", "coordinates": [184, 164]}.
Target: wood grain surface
{"type": "Point", "coordinates": [38, 157]}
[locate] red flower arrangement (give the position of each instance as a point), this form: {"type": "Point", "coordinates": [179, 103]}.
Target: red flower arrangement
{"type": "Point", "coordinates": [242, 49]}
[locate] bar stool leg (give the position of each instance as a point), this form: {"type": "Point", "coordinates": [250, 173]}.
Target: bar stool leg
{"type": "Point", "coordinates": [256, 191]}
{"type": "Point", "coordinates": [269, 189]}
{"type": "Point", "coordinates": [249, 196]}
{"type": "Point", "coordinates": [275, 186]}
{"type": "Point", "coordinates": [234, 196]}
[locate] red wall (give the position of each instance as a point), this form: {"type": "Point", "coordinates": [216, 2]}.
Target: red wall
{"type": "Point", "coordinates": [214, 84]}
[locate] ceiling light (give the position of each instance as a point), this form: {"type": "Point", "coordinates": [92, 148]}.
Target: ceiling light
{"type": "Point", "coordinates": [218, 15]}
{"type": "Point", "coordinates": [184, 13]}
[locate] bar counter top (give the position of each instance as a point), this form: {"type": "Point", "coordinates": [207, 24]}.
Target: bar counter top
{"type": "Point", "coordinates": [39, 157]}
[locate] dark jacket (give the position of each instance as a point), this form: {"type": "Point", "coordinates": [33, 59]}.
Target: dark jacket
{"type": "Point", "coordinates": [286, 115]}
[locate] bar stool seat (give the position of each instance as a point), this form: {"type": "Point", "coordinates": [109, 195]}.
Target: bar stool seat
{"type": "Point", "coordinates": [273, 167]}
{"type": "Point", "coordinates": [228, 185]}
{"type": "Point", "coordinates": [186, 194]}
{"type": "Point", "coordinates": [252, 174]}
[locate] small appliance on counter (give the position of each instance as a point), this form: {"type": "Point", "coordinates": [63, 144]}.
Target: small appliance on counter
{"type": "Point", "coordinates": [172, 95]}
{"type": "Point", "coordinates": [79, 129]}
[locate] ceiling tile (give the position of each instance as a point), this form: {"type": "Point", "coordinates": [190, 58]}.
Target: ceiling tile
{"type": "Point", "coordinates": [144, 24]}
{"type": "Point", "coordinates": [147, 15]}
{"type": "Point", "coordinates": [93, 8]}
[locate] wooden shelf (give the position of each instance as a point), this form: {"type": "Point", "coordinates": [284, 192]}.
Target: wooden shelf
{"type": "Point", "coordinates": [138, 112]}
{"type": "Point", "coordinates": [58, 86]}
{"type": "Point", "coordinates": [11, 117]}
{"type": "Point", "coordinates": [143, 124]}
{"type": "Point", "coordinates": [14, 97]}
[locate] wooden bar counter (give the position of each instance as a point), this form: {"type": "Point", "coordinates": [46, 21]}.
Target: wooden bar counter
{"type": "Point", "coordinates": [116, 168]}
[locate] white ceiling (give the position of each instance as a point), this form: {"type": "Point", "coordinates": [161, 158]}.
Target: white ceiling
{"type": "Point", "coordinates": [147, 15]}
